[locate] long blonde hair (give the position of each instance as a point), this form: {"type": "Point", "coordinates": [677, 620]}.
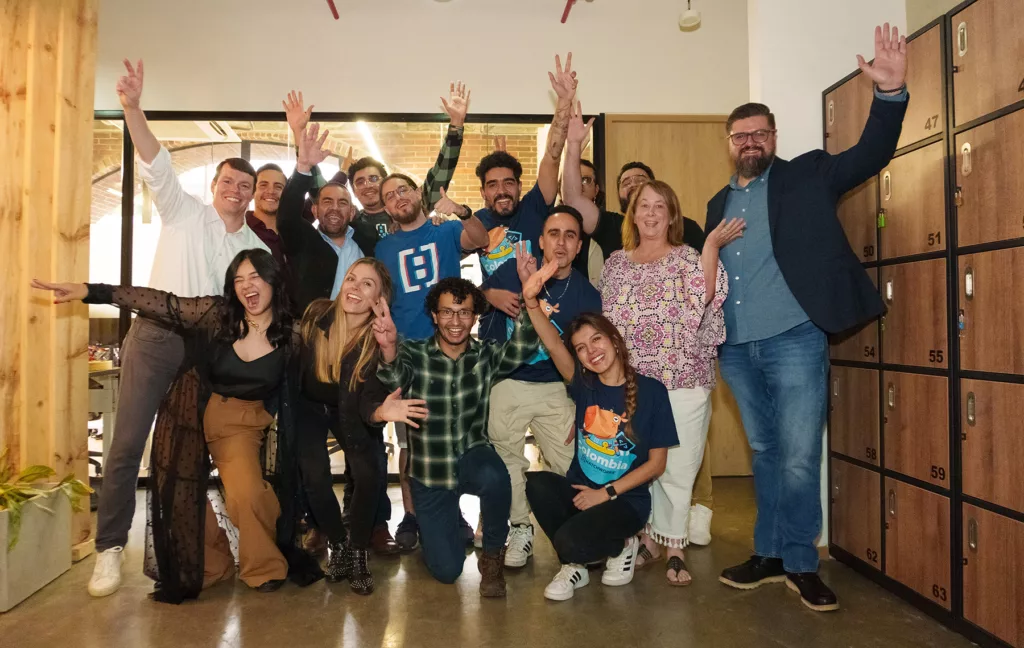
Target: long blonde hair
{"type": "Point", "coordinates": [329, 349]}
{"type": "Point", "coordinates": [630, 232]}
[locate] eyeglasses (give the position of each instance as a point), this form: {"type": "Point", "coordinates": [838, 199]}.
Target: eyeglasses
{"type": "Point", "coordinates": [447, 314]}
{"type": "Point", "coordinates": [633, 180]}
{"type": "Point", "coordinates": [759, 136]}
{"type": "Point", "coordinates": [587, 181]}
{"type": "Point", "coordinates": [365, 180]}
{"type": "Point", "coordinates": [401, 191]}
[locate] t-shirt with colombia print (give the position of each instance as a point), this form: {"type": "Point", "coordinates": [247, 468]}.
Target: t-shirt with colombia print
{"type": "Point", "coordinates": [603, 451]}
{"type": "Point", "coordinates": [525, 224]}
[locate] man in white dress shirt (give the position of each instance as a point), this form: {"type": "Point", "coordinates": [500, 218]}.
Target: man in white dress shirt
{"type": "Point", "coordinates": [197, 243]}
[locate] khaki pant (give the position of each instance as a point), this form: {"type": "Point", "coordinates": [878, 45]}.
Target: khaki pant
{"type": "Point", "coordinates": [234, 434]}
{"type": "Point", "coordinates": [702, 487]}
{"type": "Point", "coordinates": [544, 408]}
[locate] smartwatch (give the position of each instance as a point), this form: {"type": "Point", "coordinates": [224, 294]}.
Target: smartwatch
{"type": "Point", "coordinates": [611, 491]}
{"type": "Point", "coordinates": [469, 213]}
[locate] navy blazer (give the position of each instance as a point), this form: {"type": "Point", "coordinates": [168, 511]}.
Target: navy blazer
{"type": "Point", "coordinates": [816, 260]}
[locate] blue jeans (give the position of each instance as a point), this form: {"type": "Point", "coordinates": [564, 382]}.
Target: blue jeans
{"type": "Point", "coordinates": [781, 385]}
{"type": "Point", "coordinates": [481, 472]}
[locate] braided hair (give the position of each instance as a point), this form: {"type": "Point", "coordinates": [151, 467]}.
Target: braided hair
{"type": "Point", "coordinates": [603, 325]}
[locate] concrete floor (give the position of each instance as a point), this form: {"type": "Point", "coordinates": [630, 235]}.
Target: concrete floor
{"type": "Point", "coordinates": [411, 609]}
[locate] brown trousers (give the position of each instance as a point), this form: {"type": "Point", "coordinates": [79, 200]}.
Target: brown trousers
{"type": "Point", "coordinates": [234, 434]}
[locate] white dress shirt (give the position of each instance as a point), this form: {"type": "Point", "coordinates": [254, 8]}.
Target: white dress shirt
{"type": "Point", "coordinates": [195, 248]}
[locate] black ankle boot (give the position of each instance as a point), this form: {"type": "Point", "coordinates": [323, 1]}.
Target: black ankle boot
{"type": "Point", "coordinates": [360, 578]}
{"type": "Point", "coordinates": [337, 564]}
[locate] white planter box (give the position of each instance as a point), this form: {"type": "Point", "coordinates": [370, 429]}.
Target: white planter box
{"type": "Point", "coordinates": [43, 551]}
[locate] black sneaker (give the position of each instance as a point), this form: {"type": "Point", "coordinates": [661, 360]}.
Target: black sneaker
{"type": "Point", "coordinates": [408, 533]}
{"type": "Point", "coordinates": [468, 532]}
{"type": "Point", "coordinates": [754, 573]}
{"type": "Point", "coordinates": [813, 593]}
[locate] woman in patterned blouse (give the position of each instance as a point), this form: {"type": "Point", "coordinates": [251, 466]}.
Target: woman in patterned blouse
{"type": "Point", "coordinates": [667, 298]}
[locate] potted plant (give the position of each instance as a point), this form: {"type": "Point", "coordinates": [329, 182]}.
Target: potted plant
{"type": "Point", "coordinates": [32, 506]}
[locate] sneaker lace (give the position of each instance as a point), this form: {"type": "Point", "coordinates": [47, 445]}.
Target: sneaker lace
{"type": "Point", "coordinates": [518, 537]}
{"type": "Point", "coordinates": [617, 563]}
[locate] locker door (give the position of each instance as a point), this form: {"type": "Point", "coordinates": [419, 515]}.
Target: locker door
{"type": "Point", "coordinates": [989, 167]}
{"type": "Point", "coordinates": [858, 214]}
{"type": "Point", "coordinates": [917, 426]}
{"type": "Point", "coordinates": [854, 413]}
{"type": "Point", "coordinates": [860, 344]}
{"type": "Point", "coordinates": [914, 204]}
{"type": "Point", "coordinates": [992, 311]}
{"type": "Point", "coordinates": [988, 58]}
{"type": "Point", "coordinates": [914, 328]}
{"type": "Point", "coordinates": [924, 82]}
{"type": "Point", "coordinates": [993, 557]}
{"type": "Point", "coordinates": [855, 512]}
{"type": "Point", "coordinates": [992, 442]}
{"type": "Point", "coordinates": [846, 112]}
{"type": "Point", "coordinates": [917, 540]}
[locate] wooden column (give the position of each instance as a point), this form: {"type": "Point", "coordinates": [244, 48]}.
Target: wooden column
{"type": "Point", "coordinates": [47, 75]}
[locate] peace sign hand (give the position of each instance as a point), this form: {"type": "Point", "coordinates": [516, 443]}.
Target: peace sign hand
{"type": "Point", "coordinates": [129, 87]}
{"type": "Point", "coordinates": [563, 81]}
{"type": "Point", "coordinates": [526, 264]}
{"type": "Point", "coordinates": [384, 329]}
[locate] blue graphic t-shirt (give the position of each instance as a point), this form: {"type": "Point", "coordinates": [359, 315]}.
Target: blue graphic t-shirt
{"type": "Point", "coordinates": [417, 260]}
{"type": "Point", "coordinates": [603, 451]}
{"type": "Point", "coordinates": [562, 300]}
{"type": "Point", "coordinates": [525, 224]}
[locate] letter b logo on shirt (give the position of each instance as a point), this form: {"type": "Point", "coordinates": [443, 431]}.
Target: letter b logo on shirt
{"type": "Point", "coordinates": [418, 267]}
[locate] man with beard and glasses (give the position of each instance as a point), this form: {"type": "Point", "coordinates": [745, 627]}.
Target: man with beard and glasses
{"type": "Point", "coordinates": [270, 182]}
{"type": "Point", "coordinates": [792, 280]}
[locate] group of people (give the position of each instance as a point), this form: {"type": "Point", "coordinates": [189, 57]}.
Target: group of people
{"type": "Point", "coordinates": [265, 330]}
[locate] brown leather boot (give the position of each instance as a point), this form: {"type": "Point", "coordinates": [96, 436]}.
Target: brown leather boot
{"type": "Point", "coordinates": [492, 575]}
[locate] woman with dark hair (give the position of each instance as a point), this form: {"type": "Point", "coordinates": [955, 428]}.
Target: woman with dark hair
{"type": "Point", "coordinates": [238, 350]}
{"type": "Point", "coordinates": [623, 431]}
{"type": "Point", "coordinates": [341, 393]}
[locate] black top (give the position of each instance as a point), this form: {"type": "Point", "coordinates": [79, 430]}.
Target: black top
{"type": "Point", "coordinates": [370, 228]}
{"type": "Point", "coordinates": [812, 251]}
{"type": "Point", "coordinates": [608, 235]}
{"type": "Point", "coordinates": [250, 381]}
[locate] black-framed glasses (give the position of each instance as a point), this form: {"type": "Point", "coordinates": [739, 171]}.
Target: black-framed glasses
{"type": "Point", "coordinates": [447, 314]}
{"type": "Point", "coordinates": [365, 180]}
{"type": "Point", "coordinates": [759, 136]}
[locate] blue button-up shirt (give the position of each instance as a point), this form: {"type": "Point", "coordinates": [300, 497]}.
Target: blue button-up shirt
{"type": "Point", "coordinates": [348, 253]}
{"type": "Point", "coordinates": [760, 303]}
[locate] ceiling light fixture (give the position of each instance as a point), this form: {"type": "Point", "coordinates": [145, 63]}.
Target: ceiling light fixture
{"type": "Point", "coordinates": [689, 20]}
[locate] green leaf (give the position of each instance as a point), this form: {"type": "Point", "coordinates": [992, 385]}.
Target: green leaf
{"type": "Point", "coordinates": [35, 473]}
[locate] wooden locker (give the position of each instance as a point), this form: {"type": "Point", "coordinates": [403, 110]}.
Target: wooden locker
{"type": "Point", "coordinates": [860, 344]}
{"type": "Point", "coordinates": [924, 83]}
{"type": "Point", "coordinates": [853, 420]}
{"type": "Point", "coordinates": [846, 112]}
{"type": "Point", "coordinates": [916, 426]}
{"type": "Point", "coordinates": [856, 499]}
{"type": "Point", "coordinates": [992, 442]}
{"type": "Point", "coordinates": [914, 203]}
{"type": "Point", "coordinates": [917, 540]}
{"type": "Point", "coordinates": [993, 558]}
{"type": "Point", "coordinates": [914, 328]}
{"type": "Point", "coordinates": [990, 181]}
{"type": "Point", "coordinates": [991, 316]}
{"type": "Point", "coordinates": [988, 58]}
{"type": "Point", "coordinates": [858, 214]}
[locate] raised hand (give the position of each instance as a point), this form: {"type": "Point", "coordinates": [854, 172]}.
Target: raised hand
{"type": "Point", "coordinates": [578, 131]}
{"type": "Point", "coordinates": [384, 329]}
{"type": "Point", "coordinates": [349, 160]}
{"type": "Point", "coordinates": [563, 81]}
{"type": "Point", "coordinates": [458, 103]}
{"type": "Point", "coordinates": [296, 114]}
{"type": "Point", "coordinates": [446, 205]}
{"type": "Point", "coordinates": [63, 292]}
{"type": "Point", "coordinates": [311, 147]}
{"type": "Point", "coordinates": [725, 233]}
{"type": "Point", "coordinates": [889, 69]}
{"type": "Point", "coordinates": [397, 410]}
{"type": "Point", "coordinates": [500, 143]}
{"type": "Point", "coordinates": [526, 264]}
{"type": "Point", "coordinates": [129, 87]}
{"type": "Point", "coordinates": [535, 284]}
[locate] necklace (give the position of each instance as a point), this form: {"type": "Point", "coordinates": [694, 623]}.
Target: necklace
{"type": "Point", "coordinates": [552, 299]}
{"type": "Point", "coordinates": [256, 327]}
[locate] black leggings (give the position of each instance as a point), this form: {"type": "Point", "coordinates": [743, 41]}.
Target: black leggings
{"type": "Point", "coordinates": [579, 537]}
{"type": "Point", "coordinates": [315, 469]}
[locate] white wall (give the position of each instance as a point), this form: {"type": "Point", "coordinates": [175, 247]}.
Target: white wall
{"type": "Point", "coordinates": [631, 55]}
{"type": "Point", "coordinates": [922, 12]}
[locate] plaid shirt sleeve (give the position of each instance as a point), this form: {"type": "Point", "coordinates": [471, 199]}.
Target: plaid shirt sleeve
{"type": "Point", "coordinates": [399, 373]}
{"type": "Point", "coordinates": [520, 347]}
{"type": "Point", "coordinates": [444, 169]}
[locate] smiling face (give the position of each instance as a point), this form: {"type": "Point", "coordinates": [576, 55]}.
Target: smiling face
{"type": "Point", "coordinates": [652, 215]}
{"type": "Point", "coordinates": [750, 158]}
{"type": "Point", "coordinates": [250, 288]}
{"type": "Point", "coordinates": [561, 239]}
{"type": "Point", "coordinates": [333, 209]}
{"type": "Point", "coordinates": [366, 182]}
{"type": "Point", "coordinates": [269, 186]}
{"type": "Point", "coordinates": [501, 191]}
{"type": "Point", "coordinates": [454, 321]}
{"type": "Point", "coordinates": [401, 200]}
{"type": "Point", "coordinates": [360, 290]}
{"type": "Point", "coordinates": [232, 191]}
{"type": "Point", "coordinates": [594, 349]}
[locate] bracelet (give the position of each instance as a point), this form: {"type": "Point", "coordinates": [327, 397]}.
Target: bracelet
{"type": "Point", "coordinates": [469, 213]}
{"type": "Point", "coordinates": [891, 92]}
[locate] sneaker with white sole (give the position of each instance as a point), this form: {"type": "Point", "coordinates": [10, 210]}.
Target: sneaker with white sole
{"type": "Point", "coordinates": [618, 570]}
{"type": "Point", "coordinates": [700, 525]}
{"type": "Point", "coordinates": [106, 575]}
{"type": "Point", "coordinates": [565, 583]}
{"type": "Point", "coordinates": [520, 545]}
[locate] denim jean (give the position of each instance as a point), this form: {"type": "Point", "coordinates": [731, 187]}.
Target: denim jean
{"type": "Point", "coordinates": [780, 385]}
{"type": "Point", "coordinates": [481, 472]}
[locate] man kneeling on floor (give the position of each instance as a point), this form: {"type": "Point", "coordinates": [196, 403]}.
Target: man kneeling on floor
{"type": "Point", "coordinates": [449, 455]}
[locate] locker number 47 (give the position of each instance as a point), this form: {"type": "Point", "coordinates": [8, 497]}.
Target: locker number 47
{"type": "Point", "coordinates": [931, 122]}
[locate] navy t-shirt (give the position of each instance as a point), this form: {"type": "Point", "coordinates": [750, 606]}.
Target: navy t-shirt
{"type": "Point", "coordinates": [526, 224]}
{"type": "Point", "coordinates": [562, 300]}
{"type": "Point", "coordinates": [417, 260]}
{"type": "Point", "coordinates": [603, 451]}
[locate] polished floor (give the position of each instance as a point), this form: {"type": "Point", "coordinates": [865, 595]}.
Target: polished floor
{"type": "Point", "coordinates": [410, 609]}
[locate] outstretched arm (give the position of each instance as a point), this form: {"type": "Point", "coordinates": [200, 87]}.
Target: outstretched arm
{"type": "Point", "coordinates": [563, 82]}
{"type": "Point", "coordinates": [572, 180]}
{"type": "Point", "coordinates": [533, 281]}
{"type": "Point", "coordinates": [181, 313]}
{"type": "Point", "coordinates": [440, 175]}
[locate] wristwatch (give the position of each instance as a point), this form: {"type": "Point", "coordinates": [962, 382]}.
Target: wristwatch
{"type": "Point", "coordinates": [611, 491]}
{"type": "Point", "coordinates": [469, 213]}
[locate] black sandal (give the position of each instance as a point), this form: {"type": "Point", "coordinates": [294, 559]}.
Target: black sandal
{"type": "Point", "coordinates": [644, 553]}
{"type": "Point", "coordinates": [676, 564]}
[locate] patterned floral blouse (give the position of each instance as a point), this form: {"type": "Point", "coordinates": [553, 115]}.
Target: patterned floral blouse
{"type": "Point", "coordinates": [659, 308]}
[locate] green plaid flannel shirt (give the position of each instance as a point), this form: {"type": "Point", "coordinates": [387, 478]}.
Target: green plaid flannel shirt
{"type": "Point", "coordinates": [458, 395]}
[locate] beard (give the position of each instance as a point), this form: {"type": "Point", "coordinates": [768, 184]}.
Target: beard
{"type": "Point", "coordinates": [624, 202]}
{"type": "Point", "coordinates": [407, 215]}
{"type": "Point", "coordinates": [269, 212]}
{"type": "Point", "coordinates": [337, 230]}
{"type": "Point", "coordinates": [513, 202]}
{"type": "Point", "coordinates": [752, 167]}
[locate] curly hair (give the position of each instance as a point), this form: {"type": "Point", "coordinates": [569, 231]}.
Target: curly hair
{"type": "Point", "coordinates": [498, 160]}
{"type": "Point", "coordinates": [604, 326]}
{"type": "Point", "coordinates": [233, 323]}
{"type": "Point", "coordinates": [460, 290]}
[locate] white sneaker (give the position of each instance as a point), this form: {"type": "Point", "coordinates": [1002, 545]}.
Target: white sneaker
{"type": "Point", "coordinates": [565, 583]}
{"type": "Point", "coordinates": [106, 575]}
{"type": "Point", "coordinates": [700, 525]}
{"type": "Point", "coordinates": [618, 570]}
{"type": "Point", "coordinates": [478, 535]}
{"type": "Point", "coordinates": [520, 545]}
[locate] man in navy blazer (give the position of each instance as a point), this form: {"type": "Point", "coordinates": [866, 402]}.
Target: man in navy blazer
{"type": "Point", "coordinates": [793, 278]}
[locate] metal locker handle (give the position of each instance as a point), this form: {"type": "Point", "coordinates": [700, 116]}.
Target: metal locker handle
{"type": "Point", "coordinates": [958, 197]}
{"type": "Point", "coordinates": [892, 396]}
{"type": "Point", "coordinates": [967, 163]}
{"type": "Point", "coordinates": [887, 185]}
{"type": "Point", "coordinates": [972, 535]}
{"type": "Point", "coordinates": [835, 387]}
{"type": "Point", "coordinates": [888, 290]}
{"type": "Point", "coordinates": [969, 283]}
{"type": "Point", "coordinates": [831, 112]}
{"type": "Point", "coordinates": [971, 409]}
{"type": "Point", "coordinates": [892, 503]}
{"type": "Point", "coordinates": [961, 39]}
